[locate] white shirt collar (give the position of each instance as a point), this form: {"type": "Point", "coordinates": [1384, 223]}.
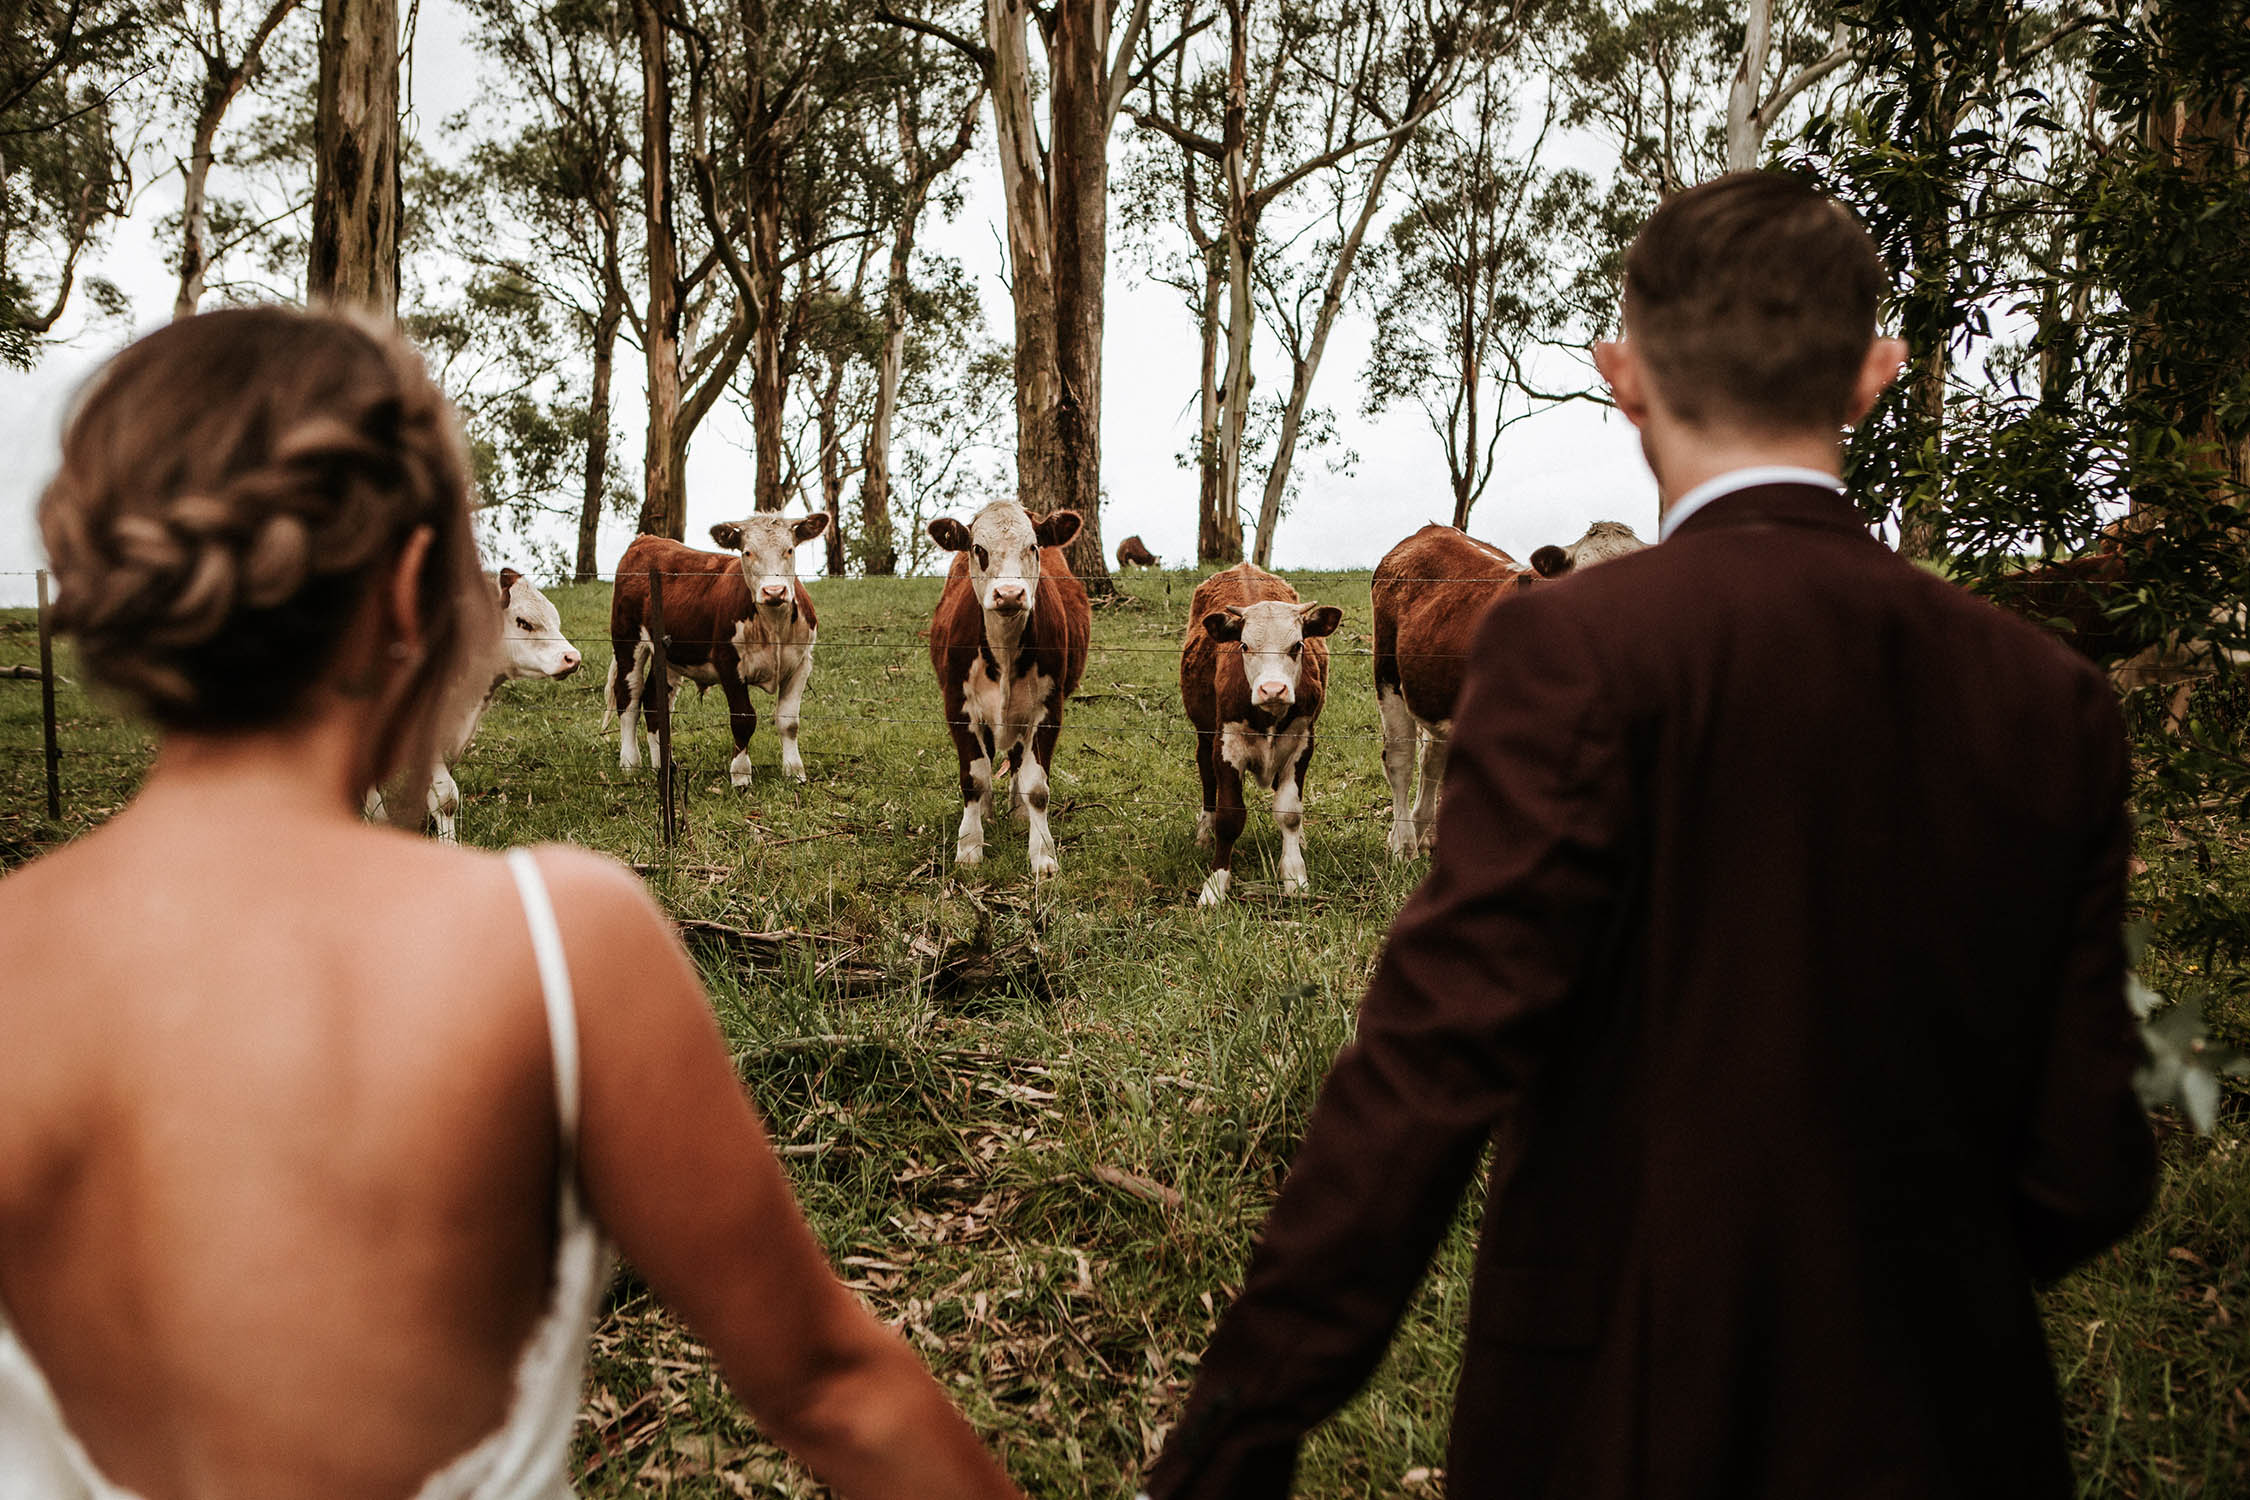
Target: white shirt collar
{"type": "Point", "coordinates": [1740, 479]}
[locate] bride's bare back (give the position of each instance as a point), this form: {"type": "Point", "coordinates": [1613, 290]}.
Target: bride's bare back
{"type": "Point", "coordinates": [279, 1166]}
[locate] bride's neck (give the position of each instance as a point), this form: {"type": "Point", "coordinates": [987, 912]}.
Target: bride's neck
{"type": "Point", "coordinates": [315, 767]}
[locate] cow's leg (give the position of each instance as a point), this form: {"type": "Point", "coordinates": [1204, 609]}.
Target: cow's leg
{"type": "Point", "coordinates": [1289, 815]}
{"type": "Point", "coordinates": [655, 698]}
{"type": "Point", "coordinates": [2176, 708]}
{"type": "Point", "coordinates": [1227, 826]}
{"type": "Point", "coordinates": [1433, 777]}
{"type": "Point", "coordinates": [630, 687]}
{"type": "Point", "coordinates": [1031, 784]}
{"type": "Point", "coordinates": [742, 714]}
{"type": "Point", "coordinates": [786, 704]}
{"type": "Point", "coordinates": [1399, 736]}
{"type": "Point", "coordinates": [1018, 809]}
{"type": "Point", "coordinates": [444, 803]}
{"type": "Point", "coordinates": [1206, 754]}
{"type": "Point", "coordinates": [609, 696]}
{"type": "Point", "coordinates": [976, 790]}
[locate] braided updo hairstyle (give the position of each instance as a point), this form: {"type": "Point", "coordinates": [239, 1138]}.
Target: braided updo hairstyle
{"type": "Point", "coordinates": [231, 488]}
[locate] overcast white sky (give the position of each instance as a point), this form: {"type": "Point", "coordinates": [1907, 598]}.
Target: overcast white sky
{"type": "Point", "coordinates": [1557, 472]}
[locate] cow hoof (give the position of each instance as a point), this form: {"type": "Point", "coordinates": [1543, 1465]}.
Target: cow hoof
{"type": "Point", "coordinates": [1044, 865]}
{"type": "Point", "coordinates": [1215, 888]}
{"type": "Point", "coordinates": [1294, 885]}
{"type": "Point", "coordinates": [966, 855]}
{"type": "Point", "coordinates": [1402, 843]}
{"type": "Point", "coordinates": [795, 773]}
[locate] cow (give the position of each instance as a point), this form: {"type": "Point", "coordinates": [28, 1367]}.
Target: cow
{"type": "Point", "coordinates": [1134, 553]}
{"type": "Point", "coordinates": [1430, 592]}
{"type": "Point", "coordinates": [1008, 644]}
{"type": "Point", "coordinates": [1253, 673]}
{"type": "Point", "coordinates": [1603, 540]}
{"type": "Point", "coordinates": [531, 644]}
{"type": "Point", "coordinates": [739, 618]}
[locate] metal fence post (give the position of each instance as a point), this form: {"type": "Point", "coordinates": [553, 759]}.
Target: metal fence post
{"type": "Point", "coordinates": [47, 704]}
{"type": "Point", "coordinates": [660, 681]}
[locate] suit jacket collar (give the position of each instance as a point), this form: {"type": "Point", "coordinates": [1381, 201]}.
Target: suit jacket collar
{"type": "Point", "coordinates": [1807, 505]}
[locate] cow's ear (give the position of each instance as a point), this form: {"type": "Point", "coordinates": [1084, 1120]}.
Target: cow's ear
{"type": "Point", "coordinates": [728, 535]}
{"type": "Point", "coordinates": [949, 534]}
{"type": "Point", "coordinates": [1224, 624]}
{"type": "Point", "coordinates": [1319, 619]}
{"type": "Point", "coordinates": [1057, 528]}
{"type": "Point", "coordinates": [508, 577]}
{"type": "Point", "coordinates": [810, 527]}
{"type": "Point", "coordinates": [1550, 561]}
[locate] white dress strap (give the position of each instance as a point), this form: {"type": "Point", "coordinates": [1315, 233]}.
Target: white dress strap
{"type": "Point", "coordinates": [554, 987]}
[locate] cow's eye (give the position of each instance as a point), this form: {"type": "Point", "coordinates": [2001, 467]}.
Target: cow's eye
{"type": "Point", "coordinates": [526, 626]}
{"type": "Point", "coordinates": [1295, 647]}
{"type": "Point", "coordinates": [984, 558]}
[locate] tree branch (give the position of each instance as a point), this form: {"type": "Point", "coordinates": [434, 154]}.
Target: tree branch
{"type": "Point", "coordinates": [976, 52]}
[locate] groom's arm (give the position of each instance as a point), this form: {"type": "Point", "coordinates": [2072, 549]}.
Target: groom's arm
{"type": "Point", "coordinates": [1462, 1011]}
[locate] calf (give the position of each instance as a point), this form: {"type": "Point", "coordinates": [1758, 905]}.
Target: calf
{"type": "Point", "coordinates": [740, 619]}
{"type": "Point", "coordinates": [531, 645]}
{"type": "Point", "coordinates": [1133, 553]}
{"type": "Point", "coordinates": [1430, 591]}
{"type": "Point", "coordinates": [1008, 643]}
{"type": "Point", "coordinates": [1603, 540]}
{"type": "Point", "coordinates": [1253, 672]}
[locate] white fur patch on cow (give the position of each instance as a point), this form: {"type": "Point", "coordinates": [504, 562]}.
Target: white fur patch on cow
{"type": "Point", "coordinates": [1264, 758]}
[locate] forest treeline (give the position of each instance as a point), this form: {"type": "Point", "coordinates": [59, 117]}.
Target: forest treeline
{"type": "Point", "coordinates": [709, 201]}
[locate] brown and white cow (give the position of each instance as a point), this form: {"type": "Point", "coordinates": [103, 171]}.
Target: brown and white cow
{"type": "Point", "coordinates": [1603, 540]}
{"type": "Point", "coordinates": [531, 645]}
{"type": "Point", "coordinates": [1008, 642]}
{"type": "Point", "coordinates": [739, 619]}
{"type": "Point", "coordinates": [1134, 553]}
{"type": "Point", "coordinates": [1430, 591]}
{"type": "Point", "coordinates": [1253, 674]}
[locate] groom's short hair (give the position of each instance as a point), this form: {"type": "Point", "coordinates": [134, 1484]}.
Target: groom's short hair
{"type": "Point", "coordinates": [1752, 302]}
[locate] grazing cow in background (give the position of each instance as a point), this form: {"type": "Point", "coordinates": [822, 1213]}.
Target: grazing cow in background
{"type": "Point", "coordinates": [1134, 553]}
{"type": "Point", "coordinates": [531, 645]}
{"type": "Point", "coordinates": [1253, 673]}
{"type": "Point", "coordinates": [740, 619]}
{"type": "Point", "coordinates": [1431, 591]}
{"type": "Point", "coordinates": [1603, 540]}
{"type": "Point", "coordinates": [1008, 642]}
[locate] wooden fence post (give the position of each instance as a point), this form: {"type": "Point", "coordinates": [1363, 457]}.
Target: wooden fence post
{"type": "Point", "coordinates": [660, 681]}
{"type": "Point", "coordinates": [47, 704]}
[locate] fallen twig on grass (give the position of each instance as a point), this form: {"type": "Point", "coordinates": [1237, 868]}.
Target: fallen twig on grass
{"type": "Point", "coordinates": [1139, 1187]}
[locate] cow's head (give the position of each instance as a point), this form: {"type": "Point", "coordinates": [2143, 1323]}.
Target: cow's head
{"type": "Point", "coordinates": [768, 545]}
{"type": "Point", "coordinates": [1003, 544]}
{"type": "Point", "coordinates": [1272, 634]}
{"type": "Point", "coordinates": [1603, 540]}
{"type": "Point", "coordinates": [531, 634]}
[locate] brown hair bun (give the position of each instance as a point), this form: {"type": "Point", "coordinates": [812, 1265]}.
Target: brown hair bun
{"type": "Point", "coordinates": [231, 486]}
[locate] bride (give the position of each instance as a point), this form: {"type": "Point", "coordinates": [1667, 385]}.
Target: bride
{"type": "Point", "coordinates": [316, 1135]}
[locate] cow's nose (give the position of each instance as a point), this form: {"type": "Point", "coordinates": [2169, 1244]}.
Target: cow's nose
{"type": "Point", "coordinates": [1271, 691]}
{"type": "Point", "coordinates": [570, 663]}
{"type": "Point", "coordinates": [774, 593]}
{"type": "Point", "coordinates": [1007, 597]}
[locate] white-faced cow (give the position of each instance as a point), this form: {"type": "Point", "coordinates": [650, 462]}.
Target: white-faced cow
{"type": "Point", "coordinates": [1008, 643]}
{"type": "Point", "coordinates": [1253, 673]}
{"type": "Point", "coordinates": [1603, 540]}
{"type": "Point", "coordinates": [1430, 592]}
{"type": "Point", "coordinates": [531, 645]}
{"type": "Point", "coordinates": [738, 619]}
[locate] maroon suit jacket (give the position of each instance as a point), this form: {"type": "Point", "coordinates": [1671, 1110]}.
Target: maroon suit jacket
{"type": "Point", "coordinates": [1774, 935]}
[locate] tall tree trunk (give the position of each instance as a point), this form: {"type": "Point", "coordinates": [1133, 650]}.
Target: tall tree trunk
{"type": "Point", "coordinates": [1307, 365]}
{"type": "Point", "coordinates": [1237, 233]}
{"type": "Point", "coordinates": [768, 383]}
{"type": "Point", "coordinates": [832, 464]}
{"type": "Point", "coordinates": [1030, 254]}
{"type": "Point", "coordinates": [597, 428]}
{"type": "Point", "coordinates": [1080, 180]}
{"type": "Point", "coordinates": [664, 481]}
{"type": "Point", "coordinates": [355, 209]}
{"type": "Point", "coordinates": [1218, 525]}
{"type": "Point", "coordinates": [878, 545]}
{"type": "Point", "coordinates": [195, 224]}
{"type": "Point", "coordinates": [1745, 130]}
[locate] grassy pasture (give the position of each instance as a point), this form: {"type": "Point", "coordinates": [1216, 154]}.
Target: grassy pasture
{"type": "Point", "coordinates": [1038, 1125]}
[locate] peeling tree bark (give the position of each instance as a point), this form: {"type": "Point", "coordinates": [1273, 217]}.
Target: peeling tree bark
{"type": "Point", "coordinates": [597, 423]}
{"type": "Point", "coordinates": [223, 80]}
{"type": "Point", "coordinates": [664, 489]}
{"type": "Point", "coordinates": [355, 209]}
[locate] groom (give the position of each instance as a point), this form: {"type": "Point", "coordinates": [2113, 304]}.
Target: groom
{"type": "Point", "coordinates": [1773, 938]}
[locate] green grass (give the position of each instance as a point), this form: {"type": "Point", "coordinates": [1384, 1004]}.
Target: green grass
{"type": "Point", "coordinates": [1038, 1125]}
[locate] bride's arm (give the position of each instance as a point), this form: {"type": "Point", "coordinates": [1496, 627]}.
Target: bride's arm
{"type": "Point", "coordinates": [676, 1165]}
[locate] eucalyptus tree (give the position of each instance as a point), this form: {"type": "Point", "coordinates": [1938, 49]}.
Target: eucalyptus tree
{"type": "Point", "coordinates": [1056, 194]}
{"type": "Point", "coordinates": [223, 48]}
{"type": "Point", "coordinates": [1471, 288]}
{"type": "Point", "coordinates": [545, 200]}
{"type": "Point", "coordinates": [65, 173]}
{"type": "Point", "coordinates": [357, 173]}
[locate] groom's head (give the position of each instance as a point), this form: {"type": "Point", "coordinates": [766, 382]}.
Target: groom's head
{"type": "Point", "coordinates": [1750, 308]}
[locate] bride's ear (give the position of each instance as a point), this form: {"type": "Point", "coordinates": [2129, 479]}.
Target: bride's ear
{"type": "Point", "coordinates": [402, 596]}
